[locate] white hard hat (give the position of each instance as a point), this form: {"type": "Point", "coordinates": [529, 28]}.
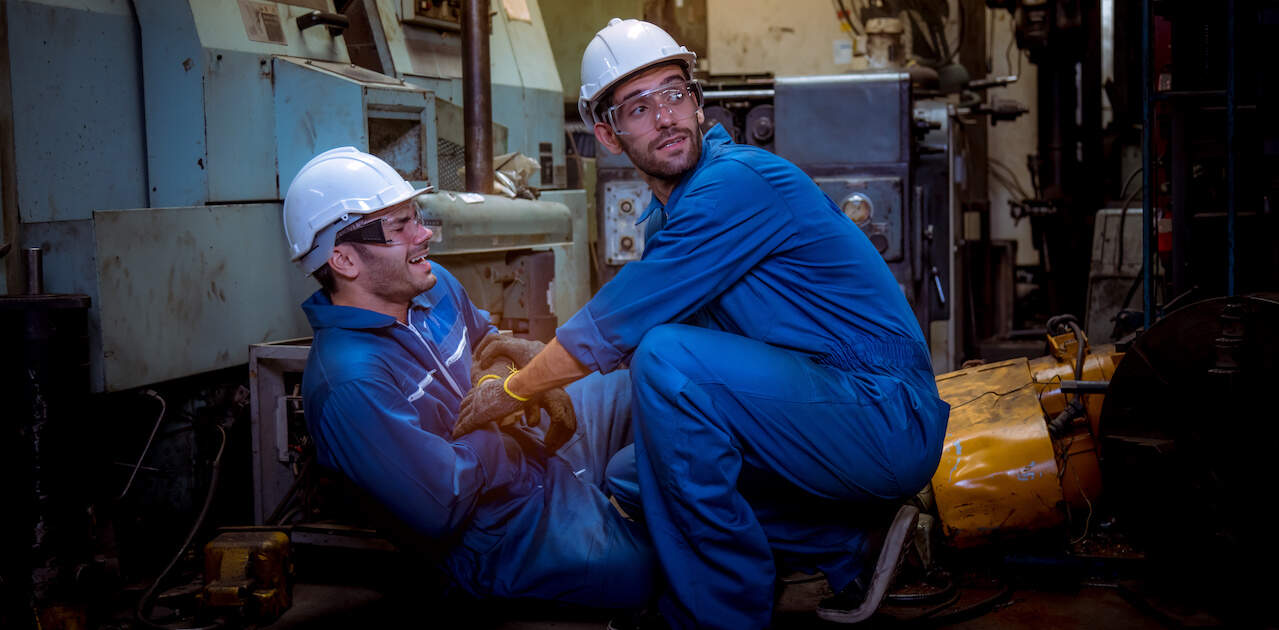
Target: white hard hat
{"type": "Point", "coordinates": [617, 51]}
{"type": "Point", "coordinates": [332, 191]}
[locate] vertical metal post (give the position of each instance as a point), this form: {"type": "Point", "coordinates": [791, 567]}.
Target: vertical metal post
{"type": "Point", "coordinates": [1147, 161]}
{"type": "Point", "coordinates": [35, 270]}
{"type": "Point", "coordinates": [477, 96]}
{"type": "Point", "coordinates": [1230, 147]}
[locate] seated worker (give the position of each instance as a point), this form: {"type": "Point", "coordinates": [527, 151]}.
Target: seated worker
{"type": "Point", "coordinates": [783, 392]}
{"type": "Point", "coordinates": [390, 362]}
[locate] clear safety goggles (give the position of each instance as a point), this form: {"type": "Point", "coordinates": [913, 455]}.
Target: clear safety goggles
{"type": "Point", "coordinates": [641, 113]}
{"type": "Point", "coordinates": [392, 229]}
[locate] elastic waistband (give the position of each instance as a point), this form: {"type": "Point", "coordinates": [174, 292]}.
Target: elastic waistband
{"type": "Point", "coordinates": [871, 352]}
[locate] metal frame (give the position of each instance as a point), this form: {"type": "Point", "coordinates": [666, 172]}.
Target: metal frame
{"type": "Point", "coordinates": [268, 363]}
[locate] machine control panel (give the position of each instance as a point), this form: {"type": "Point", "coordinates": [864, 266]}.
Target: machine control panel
{"type": "Point", "coordinates": [875, 205]}
{"type": "Point", "coordinates": [624, 202]}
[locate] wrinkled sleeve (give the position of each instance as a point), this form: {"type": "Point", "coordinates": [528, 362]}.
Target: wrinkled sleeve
{"type": "Point", "coordinates": [727, 221]}
{"type": "Point", "coordinates": [369, 432]}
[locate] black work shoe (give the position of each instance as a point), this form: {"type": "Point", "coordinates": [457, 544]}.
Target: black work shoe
{"type": "Point", "coordinates": [859, 600]}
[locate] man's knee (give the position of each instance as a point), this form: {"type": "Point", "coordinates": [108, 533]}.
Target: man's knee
{"type": "Point", "coordinates": [667, 353]}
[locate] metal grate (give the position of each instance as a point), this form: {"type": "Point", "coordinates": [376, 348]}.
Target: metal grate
{"type": "Point", "coordinates": [452, 157]}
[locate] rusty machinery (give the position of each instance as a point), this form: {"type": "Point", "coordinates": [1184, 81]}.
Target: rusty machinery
{"type": "Point", "coordinates": [1022, 440]}
{"type": "Point", "coordinates": [1165, 439]}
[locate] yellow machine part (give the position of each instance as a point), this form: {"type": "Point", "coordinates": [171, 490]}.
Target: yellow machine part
{"type": "Point", "coordinates": [998, 469]}
{"type": "Point", "coordinates": [248, 571]}
{"type": "Point", "coordinates": [1077, 456]}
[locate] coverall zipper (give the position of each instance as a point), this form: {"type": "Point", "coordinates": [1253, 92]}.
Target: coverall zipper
{"type": "Point", "coordinates": [444, 370]}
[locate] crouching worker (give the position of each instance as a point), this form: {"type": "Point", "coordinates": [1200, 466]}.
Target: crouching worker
{"type": "Point", "coordinates": [782, 387]}
{"type": "Point", "coordinates": [390, 363]}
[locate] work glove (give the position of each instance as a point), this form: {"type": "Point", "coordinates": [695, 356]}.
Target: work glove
{"type": "Point", "coordinates": [493, 348]}
{"type": "Point", "coordinates": [488, 402]}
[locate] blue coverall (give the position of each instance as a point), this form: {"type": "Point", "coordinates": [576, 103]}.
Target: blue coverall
{"type": "Point", "coordinates": [780, 379]}
{"type": "Point", "coordinates": [381, 399]}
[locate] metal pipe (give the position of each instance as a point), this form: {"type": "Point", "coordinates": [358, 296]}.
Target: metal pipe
{"type": "Point", "coordinates": [724, 95]}
{"type": "Point", "coordinates": [1147, 163]}
{"type": "Point", "coordinates": [35, 271]}
{"type": "Point", "coordinates": [477, 96]}
{"type": "Point", "coordinates": [1230, 147]}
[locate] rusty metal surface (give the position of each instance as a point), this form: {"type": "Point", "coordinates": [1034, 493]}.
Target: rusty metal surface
{"type": "Point", "coordinates": [998, 470]}
{"type": "Point", "coordinates": [249, 572]}
{"type": "Point", "coordinates": [186, 290]}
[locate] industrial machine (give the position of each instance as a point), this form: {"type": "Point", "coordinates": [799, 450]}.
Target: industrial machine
{"type": "Point", "coordinates": [1022, 441]}
{"type": "Point", "coordinates": [189, 126]}
{"type": "Point", "coordinates": [144, 151]}
{"type": "Point", "coordinates": [421, 43]}
{"type": "Point", "coordinates": [1152, 449]}
{"type": "Point", "coordinates": [892, 174]}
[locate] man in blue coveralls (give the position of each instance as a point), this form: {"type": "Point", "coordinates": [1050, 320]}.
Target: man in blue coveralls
{"type": "Point", "coordinates": [782, 387]}
{"type": "Point", "coordinates": [390, 362]}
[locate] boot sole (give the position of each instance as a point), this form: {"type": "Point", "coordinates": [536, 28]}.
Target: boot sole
{"type": "Point", "coordinates": [890, 560]}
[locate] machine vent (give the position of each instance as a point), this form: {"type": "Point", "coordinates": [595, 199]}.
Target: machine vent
{"type": "Point", "coordinates": [452, 158]}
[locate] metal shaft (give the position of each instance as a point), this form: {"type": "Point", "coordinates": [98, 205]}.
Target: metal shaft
{"type": "Point", "coordinates": [35, 270]}
{"type": "Point", "coordinates": [477, 96]}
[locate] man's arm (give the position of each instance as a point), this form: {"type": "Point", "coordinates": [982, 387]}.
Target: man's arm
{"type": "Point", "coordinates": [552, 367]}
{"type": "Point", "coordinates": [367, 430]}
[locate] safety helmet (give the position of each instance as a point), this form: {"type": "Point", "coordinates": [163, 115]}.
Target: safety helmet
{"type": "Point", "coordinates": [619, 50]}
{"type": "Point", "coordinates": [332, 191]}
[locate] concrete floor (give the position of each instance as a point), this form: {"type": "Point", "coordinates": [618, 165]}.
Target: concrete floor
{"type": "Point", "coordinates": [329, 606]}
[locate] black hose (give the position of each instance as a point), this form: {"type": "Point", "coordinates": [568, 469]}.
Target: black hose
{"type": "Point", "coordinates": [1055, 325]}
{"type": "Point", "coordinates": [1081, 343]}
{"type": "Point", "coordinates": [143, 608]}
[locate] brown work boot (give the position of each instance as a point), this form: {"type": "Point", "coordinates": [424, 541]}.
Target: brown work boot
{"type": "Point", "coordinates": [861, 598]}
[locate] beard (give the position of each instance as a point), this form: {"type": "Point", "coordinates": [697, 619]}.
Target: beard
{"type": "Point", "coordinates": [645, 158]}
{"type": "Point", "coordinates": [394, 280]}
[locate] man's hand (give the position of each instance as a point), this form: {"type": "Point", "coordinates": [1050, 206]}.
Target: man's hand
{"type": "Point", "coordinates": [495, 348]}
{"type": "Point", "coordinates": [559, 407]}
{"type": "Point", "coordinates": [486, 402]}
{"type": "Point", "coordinates": [489, 402]}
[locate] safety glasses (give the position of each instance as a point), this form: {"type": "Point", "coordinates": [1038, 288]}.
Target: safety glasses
{"type": "Point", "coordinates": [397, 229]}
{"type": "Point", "coordinates": [641, 113]}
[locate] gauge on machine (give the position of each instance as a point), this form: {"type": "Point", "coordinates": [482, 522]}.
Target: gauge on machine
{"type": "Point", "coordinates": [857, 207]}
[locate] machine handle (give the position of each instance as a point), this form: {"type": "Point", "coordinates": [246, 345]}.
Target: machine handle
{"type": "Point", "coordinates": [335, 21]}
{"type": "Point", "coordinates": [941, 295]}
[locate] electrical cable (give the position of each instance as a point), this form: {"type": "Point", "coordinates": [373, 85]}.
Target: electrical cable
{"type": "Point", "coordinates": [276, 514]}
{"type": "Point", "coordinates": [142, 610]}
{"type": "Point", "coordinates": [843, 12]}
{"type": "Point", "coordinates": [142, 456]}
{"type": "Point", "coordinates": [1128, 182]}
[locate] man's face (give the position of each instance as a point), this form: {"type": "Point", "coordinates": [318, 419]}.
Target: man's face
{"type": "Point", "coordinates": [673, 146]}
{"type": "Point", "coordinates": [396, 271]}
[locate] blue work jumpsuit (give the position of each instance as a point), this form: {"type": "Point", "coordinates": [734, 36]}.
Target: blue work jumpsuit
{"type": "Point", "coordinates": [781, 383]}
{"type": "Point", "coordinates": [381, 399]}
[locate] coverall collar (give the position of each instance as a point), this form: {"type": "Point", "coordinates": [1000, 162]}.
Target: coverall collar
{"type": "Point", "coordinates": [712, 140]}
{"type": "Point", "coordinates": [321, 312]}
